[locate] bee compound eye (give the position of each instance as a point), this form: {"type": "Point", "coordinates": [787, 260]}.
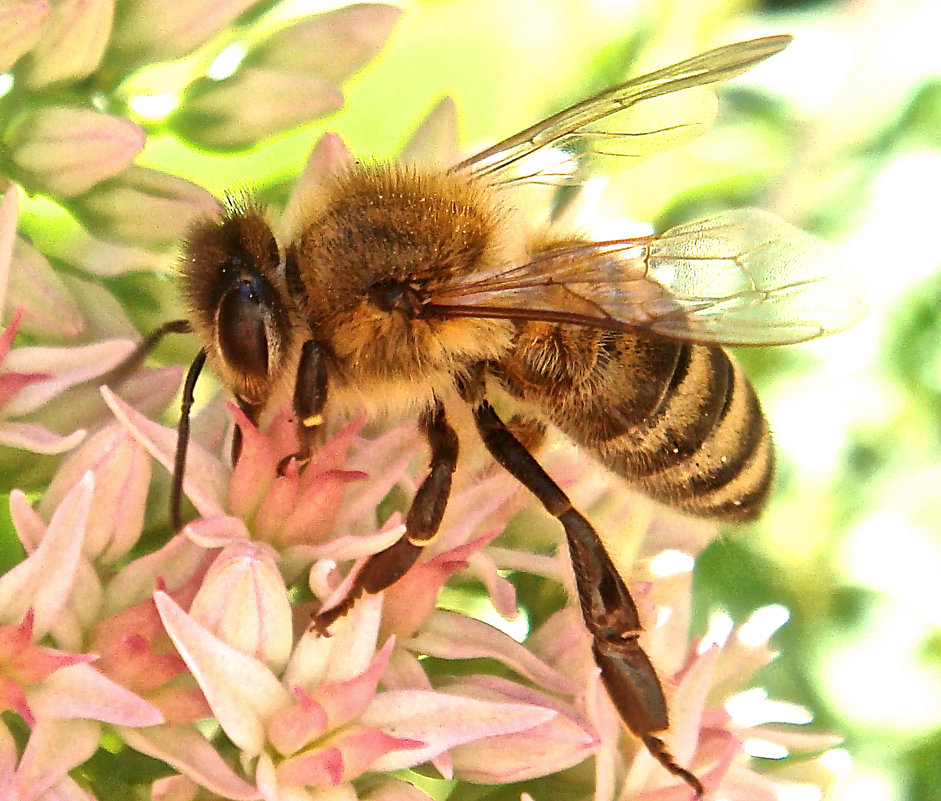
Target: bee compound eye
{"type": "Point", "coordinates": [243, 329]}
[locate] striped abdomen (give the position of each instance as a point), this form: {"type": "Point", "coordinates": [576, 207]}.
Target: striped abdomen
{"type": "Point", "coordinates": [679, 421]}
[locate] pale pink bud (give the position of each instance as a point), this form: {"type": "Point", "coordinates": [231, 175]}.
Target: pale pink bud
{"type": "Point", "coordinates": [244, 602]}
{"type": "Point", "coordinates": [36, 287]}
{"type": "Point", "coordinates": [333, 45]}
{"type": "Point", "coordinates": [66, 150]}
{"type": "Point", "coordinates": [72, 42]}
{"type": "Point", "coordinates": [122, 476]}
{"type": "Point", "coordinates": [161, 30]}
{"type": "Point", "coordinates": [146, 207]}
{"type": "Point", "coordinates": [9, 213]}
{"type": "Point", "coordinates": [251, 104]}
{"type": "Point", "coordinates": [20, 25]}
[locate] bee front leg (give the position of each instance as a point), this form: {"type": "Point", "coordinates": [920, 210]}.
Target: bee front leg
{"type": "Point", "coordinates": [422, 521]}
{"type": "Point", "coordinates": [607, 606]}
{"type": "Point", "coordinates": [310, 397]}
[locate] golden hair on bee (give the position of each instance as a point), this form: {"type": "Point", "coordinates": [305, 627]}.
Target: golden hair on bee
{"type": "Point", "coordinates": [399, 287]}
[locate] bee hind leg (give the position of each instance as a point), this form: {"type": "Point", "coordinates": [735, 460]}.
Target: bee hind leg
{"type": "Point", "coordinates": [608, 609]}
{"type": "Point", "coordinates": [422, 521]}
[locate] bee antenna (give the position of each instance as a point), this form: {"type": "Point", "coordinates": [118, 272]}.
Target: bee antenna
{"type": "Point", "coordinates": [182, 438]}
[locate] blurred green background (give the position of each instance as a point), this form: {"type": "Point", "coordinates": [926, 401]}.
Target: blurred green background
{"type": "Point", "coordinates": [840, 134]}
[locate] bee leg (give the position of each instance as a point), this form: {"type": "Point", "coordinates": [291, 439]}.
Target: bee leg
{"type": "Point", "coordinates": [310, 397]}
{"type": "Point", "coordinates": [607, 606]}
{"type": "Point", "coordinates": [385, 568]}
{"type": "Point", "coordinates": [183, 439]}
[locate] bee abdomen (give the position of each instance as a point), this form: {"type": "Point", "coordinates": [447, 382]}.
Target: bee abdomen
{"type": "Point", "coordinates": [707, 450]}
{"type": "Point", "coordinates": [678, 421]}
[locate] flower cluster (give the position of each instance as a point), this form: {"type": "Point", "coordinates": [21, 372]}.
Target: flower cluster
{"type": "Point", "coordinates": [138, 660]}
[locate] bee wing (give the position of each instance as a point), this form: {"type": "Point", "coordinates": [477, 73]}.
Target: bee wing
{"type": "Point", "coordinates": [742, 277]}
{"type": "Point", "coordinates": [635, 118]}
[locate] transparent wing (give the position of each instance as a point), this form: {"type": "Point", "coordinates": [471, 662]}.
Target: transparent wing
{"type": "Point", "coordinates": [742, 277]}
{"type": "Point", "coordinates": [633, 119]}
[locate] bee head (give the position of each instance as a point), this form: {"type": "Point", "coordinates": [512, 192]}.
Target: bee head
{"type": "Point", "coordinates": [231, 278]}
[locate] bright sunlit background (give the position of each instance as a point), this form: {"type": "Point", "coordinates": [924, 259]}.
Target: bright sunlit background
{"type": "Point", "coordinates": [840, 134]}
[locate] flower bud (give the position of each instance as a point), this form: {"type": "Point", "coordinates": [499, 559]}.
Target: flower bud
{"type": "Point", "coordinates": [67, 150]}
{"type": "Point", "coordinates": [72, 42]}
{"type": "Point", "coordinates": [333, 45]}
{"type": "Point", "coordinates": [244, 602]}
{"type": "Point", "coordinates": [20, 25]}
{"type": "Point", "coordinates": [145, 207]}
{"type": "Point", "coordinates": [162, 30]}
{"type": "Point", "coordinates": [35, 287]}
{"type": "Point", "coordinates": [122, 476]}
{"type": "Point", "coordinates": [253, 103]}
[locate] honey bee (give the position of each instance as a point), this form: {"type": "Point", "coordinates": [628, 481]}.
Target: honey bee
{"type": "Point", "coordinates": [403, 286]}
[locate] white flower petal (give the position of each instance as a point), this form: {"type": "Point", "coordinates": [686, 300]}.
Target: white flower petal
{"type": "Point", "coordinates": [185, 749]}
{"type": "Point", "coordinates": [53, 749]}
{"type": "Point", "coordinates": [28, 585]}
{"type": "Point", "coordinates": [80, 691]}
{"type": "Point", "coordinates": [442, 721]}
{"type": "Point", "coordinates": [242, 690]}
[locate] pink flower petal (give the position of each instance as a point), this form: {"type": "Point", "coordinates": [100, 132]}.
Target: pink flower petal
{"type": "Point", "coordinates": [51, 310]}
{"type": "Point", "coordinates": [35, 438]}
{"type": "Point", "coordinates": [345, 654]}
{"type": "Point", "coordinates": [559, 743]}
{"type": "Point", "coordinates": [148, 33]}
{"type": "Point", "coordinates": [69, 149]}
{"type": "Point", "coordinates": [174, 564]}
{"type": "Point", "coordinates": [122, 479]}
{"type": "Point", "coordinates": [314, 510]}
{"type": "Point", "coordinates": [295, 727]}
{"type": "Point", "coordinates": [27, 585]}
{"type": "Point", "coordinates": [217, 532]}
{"type": "Point", "coordinates": [326, 159]}
{"type": "Point", "coordinates": [80, 691]}
{"type": "Point", "coordinates": [487, 505]}
{"type": "Point", "coordinates": [501, 590]}
{"type": "Point", "coordinates": [8, 216]}
{"type": "Point", "coordinates": [333, 454]}
{"type": "Point", "coordinates": [82, 610]}
{"type": "Point", "coordinates": [72, 43]}
{"type": "Point", "coordinates": [687, 703]}
{"type": "Point", "coordinates": [206, 478]}
{"type": "Point", "coordinates": [256, 469]}
{"type": "Point", "coordinates": [442, 721]}
{"type": "Point", "coordinates": [450, 635]}
{"type": "Point", "coordinates": [412, 598]}
{"type": "Point", "coordinates": [145, 207]}
{"type": "Point", "coordinates": [186, 750]}
{"type": "Point", "coordinates": [242, 691]}
{"type": "Point", "coordinates": [335, 44]}
{"type": "Point", "coordinates": [244, 602]}
{"type": "Point", "coordinates": [347, 700]}
{"type": "Point", "coordinates": [213, 113]}
{"type": "Point", "coordinates": [53, 749]}
{"type": "Point", "coordinates": [344, 757]}
{"type": "Point", "coordinates": [20, 27]}
{"type": "Point", "coordinates": [30, 527]}
{"type": "Point", "coordinates": [66, 367]}
{"type": "Point", "coordinates": [435, 141]}
{"type": "Point", "coordinates": [13, 327]}
{"type": "Point", "coordinates": [355, 546]}
{"type": "Point", "coordinates": [384, 459]}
